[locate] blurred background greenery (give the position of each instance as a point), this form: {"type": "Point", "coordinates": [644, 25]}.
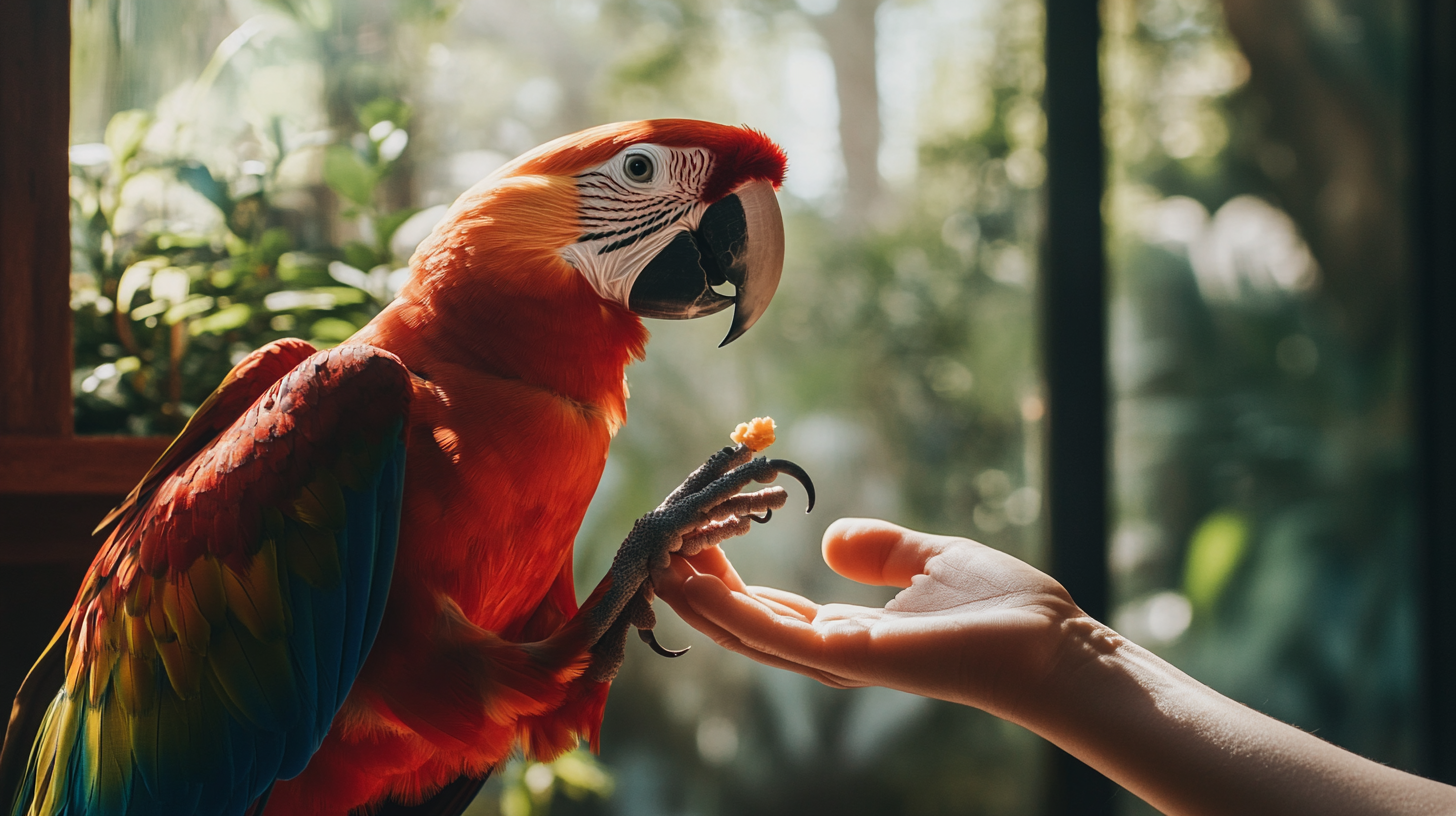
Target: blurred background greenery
{"type": "Point", "coordinates": [244, 170]}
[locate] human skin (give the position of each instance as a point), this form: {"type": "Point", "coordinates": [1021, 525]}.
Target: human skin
{"type": "Point", "coordinates": [978, 627]}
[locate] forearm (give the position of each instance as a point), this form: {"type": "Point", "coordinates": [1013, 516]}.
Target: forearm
{"type": "Point", "coordinates": [1186, 749]}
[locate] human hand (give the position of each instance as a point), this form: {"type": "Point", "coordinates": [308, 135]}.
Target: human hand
{"type": "Point", "coordinates": [978, 627]}
{"type": "Point", "coordinates": [973, 625]}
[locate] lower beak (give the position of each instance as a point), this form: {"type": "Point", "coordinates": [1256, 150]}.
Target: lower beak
{"type": "Point", "coordinates": [739, 240]}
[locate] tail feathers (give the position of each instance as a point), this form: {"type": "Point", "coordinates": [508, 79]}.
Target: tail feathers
{"type": "Point", "coordinates": [27, 715]}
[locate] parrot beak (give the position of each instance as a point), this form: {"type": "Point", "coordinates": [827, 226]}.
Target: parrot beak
{"type": "Point", "coordinates": [739, 240]}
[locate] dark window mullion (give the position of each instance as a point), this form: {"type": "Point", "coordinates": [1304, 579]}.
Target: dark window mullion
{"type": "Point", "coordinates": [1074, 346]}
{"type": "Point", "coordinates": [1434, 180]}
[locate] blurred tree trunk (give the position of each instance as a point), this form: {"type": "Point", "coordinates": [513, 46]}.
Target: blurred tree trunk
{"type": "Point", "coordinates": [849, 33]}
{"type": "Point", "coordinates": [1346, 186]}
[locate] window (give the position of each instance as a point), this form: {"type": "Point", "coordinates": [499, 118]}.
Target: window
{"type": "Point", "coordinates": [1264, 533]}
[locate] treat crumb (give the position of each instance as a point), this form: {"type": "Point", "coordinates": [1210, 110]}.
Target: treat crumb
{"type": "Point", "coordinates": [756, 433]}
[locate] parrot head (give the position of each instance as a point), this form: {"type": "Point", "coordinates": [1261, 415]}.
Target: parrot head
{"type": "Point", "coordinates": [656, 217]}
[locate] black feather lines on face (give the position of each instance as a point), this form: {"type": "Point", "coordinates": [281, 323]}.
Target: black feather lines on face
{"type": "Point", "coordinates": [610, 209]}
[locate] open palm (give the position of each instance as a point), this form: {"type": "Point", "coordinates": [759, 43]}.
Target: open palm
{"type": "Point", "coordinates": [972, 624]}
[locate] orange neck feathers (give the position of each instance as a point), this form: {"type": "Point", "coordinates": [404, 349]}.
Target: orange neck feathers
{"type": "Point", "coordinates": [490, 292]}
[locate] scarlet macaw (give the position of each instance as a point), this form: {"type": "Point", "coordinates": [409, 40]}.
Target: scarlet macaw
{"type": "Point", "coordinates": [348, 583]}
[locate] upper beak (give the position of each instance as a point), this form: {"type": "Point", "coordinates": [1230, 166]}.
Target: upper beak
{"type": "Point", "coordinates": [740, 240]}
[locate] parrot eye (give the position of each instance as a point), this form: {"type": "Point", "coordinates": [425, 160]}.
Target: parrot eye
{"type": "Point", "coordinates": [639, 168]}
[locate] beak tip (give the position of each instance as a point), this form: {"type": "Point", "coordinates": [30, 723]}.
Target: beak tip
{"type": "Point", "coordinates": [743, 320]}
{"type": "Point", "coordinates": [734, 332]}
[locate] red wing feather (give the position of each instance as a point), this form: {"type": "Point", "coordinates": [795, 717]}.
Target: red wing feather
{"type": "Point", "coordinates": [239, 389]}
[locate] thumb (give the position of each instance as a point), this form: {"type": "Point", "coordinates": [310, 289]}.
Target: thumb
{"type": "Point", "coordinates": [879, 553]}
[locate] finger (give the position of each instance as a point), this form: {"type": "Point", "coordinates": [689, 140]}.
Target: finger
{"type": "Point", "coordinates": [673, 594]}
{"type": "Point", "coordinates": [713, 561]}
{"type": "Point", "coordinates": [801, 605]}
{"type": "Point", "coordinates": [692, 618]}
{"type": "Point", "coordinates": [782, 609]}
{"type": "Point", "coordinates": [879, 553]}
{"type": "Point", "coordinates": [669, 587]}
{"type": "Point", "coordinates": [835, 646]}
{"type": "Point", "coordinates": [713, 533]}
{"type": "Point", "coordinates": [831, 680]}
{"type": "Point", "coordinates": [667, 584]}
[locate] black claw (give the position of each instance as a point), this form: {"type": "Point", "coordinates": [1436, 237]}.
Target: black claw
{"type": "Point", "coordinates": [785, 466]}
{"type": "Point", "coordinates": [651, 640]}
{"type": "Point", "coordinates": [763, 519]}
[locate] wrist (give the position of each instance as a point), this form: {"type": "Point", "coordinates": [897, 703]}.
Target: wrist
{"type": "Point", "coordinates": [1080, 655]}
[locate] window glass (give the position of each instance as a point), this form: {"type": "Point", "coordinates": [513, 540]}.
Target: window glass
{"type": "Point", "coordinates": [1264, 539]}
{"type": "Point", "coordinates": [244, 171]}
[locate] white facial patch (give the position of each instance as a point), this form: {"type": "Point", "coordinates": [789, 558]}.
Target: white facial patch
{"type": "Point", "coordinates": [633, 205]}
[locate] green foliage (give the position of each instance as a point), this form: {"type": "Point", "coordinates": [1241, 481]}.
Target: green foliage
{"type": "Point", "coordinates": [209, 268]}
{"type": "Point", "coordinates": [348, 175]}
{"type": "Point", "coordinates": [529, 788]}
{"type": "Point", "coordinates": [1263, 439]}
{"type": "Point", "coordinates": [1217, 548]}
{"type": "Point", "coordinates": [124, 136]}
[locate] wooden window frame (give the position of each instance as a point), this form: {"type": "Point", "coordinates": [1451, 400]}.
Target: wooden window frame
{"type": "Point", "coordinates": [39, 454]}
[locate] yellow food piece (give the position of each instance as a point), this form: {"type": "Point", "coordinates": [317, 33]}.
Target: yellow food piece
{"type": "Point", "coordinates": [756, 433]}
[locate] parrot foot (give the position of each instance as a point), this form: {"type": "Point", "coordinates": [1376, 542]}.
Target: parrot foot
{"type": "Point", "coordinates": [706, 509]}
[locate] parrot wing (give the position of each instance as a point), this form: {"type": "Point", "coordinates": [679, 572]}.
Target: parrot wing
{"type": "Point", "coordinates": [241, 387]}
{"type": "Point", "coordinates": [222, 624]}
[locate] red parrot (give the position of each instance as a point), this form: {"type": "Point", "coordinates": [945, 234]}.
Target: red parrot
{"type": "Point", "coordinates": [347, 584]}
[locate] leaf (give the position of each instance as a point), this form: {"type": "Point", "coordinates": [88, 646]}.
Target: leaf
{"type": "Point", "coordinates": [348, 176]}
{"type": "Point", "coordinates": [383, 109]}
{"type": "Point", "coordinates": [1215, 551]}
{"type": "Point", "coordinates": [199, 178]}
{"type": "Point", "coordinates": [274, 242]}
{"type": "Point", "coordinates": [171, 284]}
{"type": "Point", "coordinates": [172, 240]}
{"type": "Point", "coordinates": [124, 135]}
{"type": "Point", "coordinates": [349, 275]}
{"type": "Point", "coordinates": [332, 330]}
{"type": "Point", "coordinates": [138, 276]}
{"type": "Point", "coordinates": [360, 256]}
{"type": "Point", "coordinates": [580, 770]}
{"type": "Point", "coordinates": [192, 306]}
{"type": "Point", "coordinates": [392, 145]}
{"type": "Point", "coordinates": [387, 225]}
{"type": "Point", "coordinates": [343, 295]}
{"type": "Point", "coordinates": [294, 265]}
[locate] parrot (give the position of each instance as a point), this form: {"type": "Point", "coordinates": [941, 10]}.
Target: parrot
{"type": "Point", "coordinates": [346, 586]}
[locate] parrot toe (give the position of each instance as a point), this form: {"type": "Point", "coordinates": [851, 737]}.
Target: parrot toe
{"type": "Point", "coordinates": [651, 640]}
{"type": "Point", "coordinates": [706, 509]}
